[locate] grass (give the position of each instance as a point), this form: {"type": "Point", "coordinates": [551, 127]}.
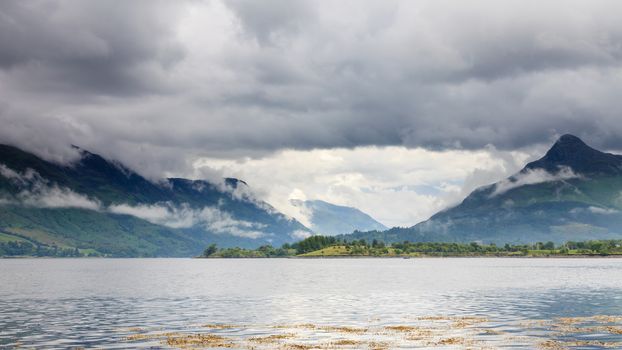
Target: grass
{"type": "Point", "coordinates": [5, 237]}
{"type": "Point", "coordinates": [341, 251]}
{"type": "Point", "coordinates": [337, 250]}
{"type": "Point", "coordinates": [89, 251]}
{"type": "Point", "coordinates": [38, 236]}
{"type": "Point", "coordinates": [577, 252]}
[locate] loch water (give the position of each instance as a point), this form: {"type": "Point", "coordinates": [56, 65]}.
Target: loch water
{"type": "Point", "coordinates": [451, 303]}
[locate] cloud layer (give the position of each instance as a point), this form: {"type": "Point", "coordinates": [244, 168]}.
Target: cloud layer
{"type": "Point", "coordinates": [160, 85]}
{"type": "Point", "coordinates": [242, 79]}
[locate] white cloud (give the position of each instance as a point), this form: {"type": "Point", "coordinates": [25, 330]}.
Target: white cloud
{"type": "Point", "coordinates": [57, 197]}
{"type": "Point", "coordinates": [603, 211]}
{"type": "Point", "coordinates": [299, 234]}
{"type": "Point", "coordinates": [301, 210]}
{"type": "Point", "coordinates": [9, 173]}
{"type": "Point", "coordinates": [21, 178]}
{"type": "Point", "coordinates": [211, 218]}
{"type": "Point", "coordinates": [38, 192]}
{"type": "Point", "coordinates": [222, 222]}
{"type": "Point", "coordinates": [531, 177]}
{"type": "Point", "coordinates": [162, 214]}
{"type": "Point", "coordinates": [396, 185]}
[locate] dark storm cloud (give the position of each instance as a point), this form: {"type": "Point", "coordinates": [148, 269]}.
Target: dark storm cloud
{"type": "Point", "coordinates": [98, 47]}
{"type": "Point", "coordinates": [158, 83]}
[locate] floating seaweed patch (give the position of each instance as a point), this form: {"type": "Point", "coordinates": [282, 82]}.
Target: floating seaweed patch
{"type": "Point", "coordinates": [272, 338]}
{"type": "Point", "coordinates": [221, 326]}
{"type": "Point", "coordinates": [203, 340]}
{"type": "Point", "coordinates": [463, 332]}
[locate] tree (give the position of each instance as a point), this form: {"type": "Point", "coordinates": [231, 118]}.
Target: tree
{"type": "Point", "coordinates": [210, 250]}
{"type": "Point", "coordinates": [549, 245]}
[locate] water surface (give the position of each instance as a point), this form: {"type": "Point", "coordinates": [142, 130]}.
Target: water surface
{"type": "Point", "coordinates": [302, 303]}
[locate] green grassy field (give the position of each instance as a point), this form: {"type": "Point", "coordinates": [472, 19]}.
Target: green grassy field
{"type": "Point", "coordinates": [342, 251]}
{"type": "Point", "coordinates": [329, 251]}
{"type": "Point", "coordinates": [5, 237]}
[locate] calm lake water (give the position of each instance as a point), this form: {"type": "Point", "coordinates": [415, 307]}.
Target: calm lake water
{"type": "Point", "coordinates": [474, 303]}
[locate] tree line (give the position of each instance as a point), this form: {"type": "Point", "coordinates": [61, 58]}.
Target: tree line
{"type": "Point", "coordinates": [379, 248]}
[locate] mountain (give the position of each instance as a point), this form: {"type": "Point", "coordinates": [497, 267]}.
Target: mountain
{"type": "Point", "coordinates": [331, 219]}
{"type": "Point", "coordinates": [574, 192]}
{"type": "Point", "coordinates": [103, 207]}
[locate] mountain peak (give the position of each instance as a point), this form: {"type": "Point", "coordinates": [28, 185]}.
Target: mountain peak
{"type": "Point", "coordinates": [569, 144]}
{"type": "Point", "coordinates": [569, 140]}
{"type": "Point", "coordinates": [570, 151]}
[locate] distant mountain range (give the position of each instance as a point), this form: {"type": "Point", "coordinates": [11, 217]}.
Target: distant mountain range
{"type": "Point", "coordinates": [96, 205]}
{"type": "Point", "coordinates": [574, 192]}
{"type": "Point", "coordinates": [102, 206]}
{"type": "Point", "coordinates": [330, 219]}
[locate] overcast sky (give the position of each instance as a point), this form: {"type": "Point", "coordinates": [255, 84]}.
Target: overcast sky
{"type": "Point", "coordinates": [396, 107]}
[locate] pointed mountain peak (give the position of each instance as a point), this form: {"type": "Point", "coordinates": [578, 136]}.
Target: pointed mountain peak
{"type": "Point", "coordinates": [569, 144]}
{"type": "Point", "coordinates": [570, 148]}
{"type": "Point", "coordinates": [570, 151]}
{"type": "Point", "coordinates": [570, 138]}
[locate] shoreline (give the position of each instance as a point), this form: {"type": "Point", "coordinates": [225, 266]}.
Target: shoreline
{"type": "Point", "coordinates": [574, 256]}
{"type": "Point", "coordinates": [583, 256]}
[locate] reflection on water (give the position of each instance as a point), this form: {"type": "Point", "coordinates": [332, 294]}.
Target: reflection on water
{"type": "Point", "coordinates": [302, 304]}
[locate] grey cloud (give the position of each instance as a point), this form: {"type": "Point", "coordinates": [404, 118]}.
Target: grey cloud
{"type": "Point", "coordinates": [100, 47]}
{"type": "Point", "coordinates": [272, 20]}
{"type": "Point", "coordinates": [158, 84]}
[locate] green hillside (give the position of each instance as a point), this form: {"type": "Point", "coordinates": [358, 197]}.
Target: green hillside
{"type": "Point", "coordinates": [102, 207]}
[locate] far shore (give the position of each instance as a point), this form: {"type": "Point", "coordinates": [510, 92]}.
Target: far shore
{"type": "Point", "coordinates": [585, 256]}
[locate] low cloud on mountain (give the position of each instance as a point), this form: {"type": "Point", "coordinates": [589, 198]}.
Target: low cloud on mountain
{"type": "Point", "coordinates": [211, 218]}
{"type": "Point", "coordinates": [531, 177]}
{"type": "Point", "coordinates": [38, 192]}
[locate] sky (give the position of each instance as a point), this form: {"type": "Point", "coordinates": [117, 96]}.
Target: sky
{"type": "Point", "coordinates": [399, 108]}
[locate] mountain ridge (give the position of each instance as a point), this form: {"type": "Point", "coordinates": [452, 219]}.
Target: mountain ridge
{"type": "Point", "coordinates": [573, 192]}
{"type": "Point", "coordinates": [331, 219]}
{"type": "Point", "coordinates": [93, 192]}
{"type": "Point", "coordinates": [572, 152]}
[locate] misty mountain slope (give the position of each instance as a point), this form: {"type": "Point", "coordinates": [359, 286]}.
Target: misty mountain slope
{"type": "Point", "coordinates": [331, 219]}
{"type": "Point", "coordinates": [91, 174]}
{"type": "Point", "coordinates": [235, 197]}
{"type": "Point", "coordinates": [116, 235]}
{"type": "Point", "coordinates": [573, 192]}
{"type": "Point", "coordinates": [99, 204]}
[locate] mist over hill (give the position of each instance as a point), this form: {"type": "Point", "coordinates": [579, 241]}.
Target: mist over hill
{"type": "Point", "coordinates": [102, 206]}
